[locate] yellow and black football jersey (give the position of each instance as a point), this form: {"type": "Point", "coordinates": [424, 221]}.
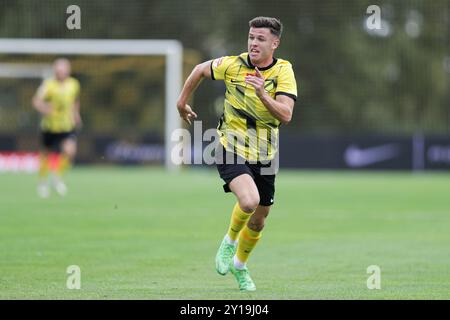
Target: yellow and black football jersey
{"type": "Point", "coordinates": [61, 96]}
{"type": "Point", "coordinates": [246, 127]}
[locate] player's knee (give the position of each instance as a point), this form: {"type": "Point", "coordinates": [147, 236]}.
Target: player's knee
{"type": "Point", "coordinates": [70, 150]}
{"type": "Point", "coordinates": [71, 154]}
{"type": "Point", "coordinates": [249, 203]}
{"type": "Point", "coordinates": [256, 224]}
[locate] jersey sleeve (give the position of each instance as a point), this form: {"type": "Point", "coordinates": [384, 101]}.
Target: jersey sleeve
{"type": "Point", "coordinates": [219, 67]}
{"type": "Point", "coordinates": [286, 83]}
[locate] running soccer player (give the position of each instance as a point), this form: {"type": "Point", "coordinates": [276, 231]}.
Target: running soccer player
{"type": "Point", "coordinates": [260, 94]}
{"type": "Point", "coordinates": [57, 99]}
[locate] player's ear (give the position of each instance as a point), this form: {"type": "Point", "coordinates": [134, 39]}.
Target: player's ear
{"type": "Point", "coordinates": [275, 43]}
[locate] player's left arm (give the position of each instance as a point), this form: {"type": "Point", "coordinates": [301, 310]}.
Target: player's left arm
{"type": "Point", "coordinates": [281, 107]}
{"type": "Point", "coordinates": [39, 99]}
{"type": "Point", "coordinates": [76, 114]}
{"type": "Point", "coordinates": [76, 105]}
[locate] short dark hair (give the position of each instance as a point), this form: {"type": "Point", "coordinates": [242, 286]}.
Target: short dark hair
{"type": "Point", "coordinates": [275, 25]}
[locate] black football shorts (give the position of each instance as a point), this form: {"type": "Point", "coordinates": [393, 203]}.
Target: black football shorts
{"type": "Point", "coordinates": [52, 141]}
{"type": "Point", "coordinates": [238, 166]}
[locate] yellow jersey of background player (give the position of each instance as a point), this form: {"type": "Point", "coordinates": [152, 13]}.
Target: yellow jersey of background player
{"type": "Point", "coordinates": [62, 97]}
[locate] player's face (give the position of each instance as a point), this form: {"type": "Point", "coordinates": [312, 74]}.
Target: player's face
{"type": "Point", "coordinates": [62, 69]}
{"type": "Point", "coordinates": [261, 45]}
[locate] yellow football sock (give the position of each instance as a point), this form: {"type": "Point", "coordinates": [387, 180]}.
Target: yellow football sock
{"type": "Point", "coordinates": [238, 220]}
{"type": "Point", "coordinates": [247, 242]}
{"type": "Point", "coordinates": [63, 164]}
{"type": "Point", "coordinates": [43, 166]}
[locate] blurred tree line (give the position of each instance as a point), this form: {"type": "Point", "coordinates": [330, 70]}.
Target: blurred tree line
{"type": "Point", "coordinates": [351, 79]}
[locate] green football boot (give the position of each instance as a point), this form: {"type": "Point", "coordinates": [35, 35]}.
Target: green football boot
{"type": "Point", "coordinates": [243, 278]}
{"type": "Point", "coordinates": [224, 256]}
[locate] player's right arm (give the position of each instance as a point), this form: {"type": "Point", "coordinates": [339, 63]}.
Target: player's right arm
{"type": "Point", "coordinates": [202, 70]}
{"type": "Point", "coordinates": [38, 100]}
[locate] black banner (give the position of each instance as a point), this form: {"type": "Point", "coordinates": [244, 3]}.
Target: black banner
{"type": "Point", "coordinates": [415, 152]}
{"type": "Point", "coordinates": [365, 152]}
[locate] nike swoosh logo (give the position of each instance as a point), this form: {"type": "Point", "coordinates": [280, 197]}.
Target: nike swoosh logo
{"type": "Point", "coordinates": [357, 157]}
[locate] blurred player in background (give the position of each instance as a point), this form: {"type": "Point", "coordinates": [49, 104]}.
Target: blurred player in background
{"type": "Point", "coordinates": [260, 95]}
{"type": "Point", "coordinates": [57, 99]}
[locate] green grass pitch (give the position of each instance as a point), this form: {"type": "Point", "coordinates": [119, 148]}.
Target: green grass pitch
{"type": "Point", "coordinates": [142, 233]}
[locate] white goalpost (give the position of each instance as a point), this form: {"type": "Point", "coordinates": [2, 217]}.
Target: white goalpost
{"type": "Point", "coordinates": [172, 50]}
